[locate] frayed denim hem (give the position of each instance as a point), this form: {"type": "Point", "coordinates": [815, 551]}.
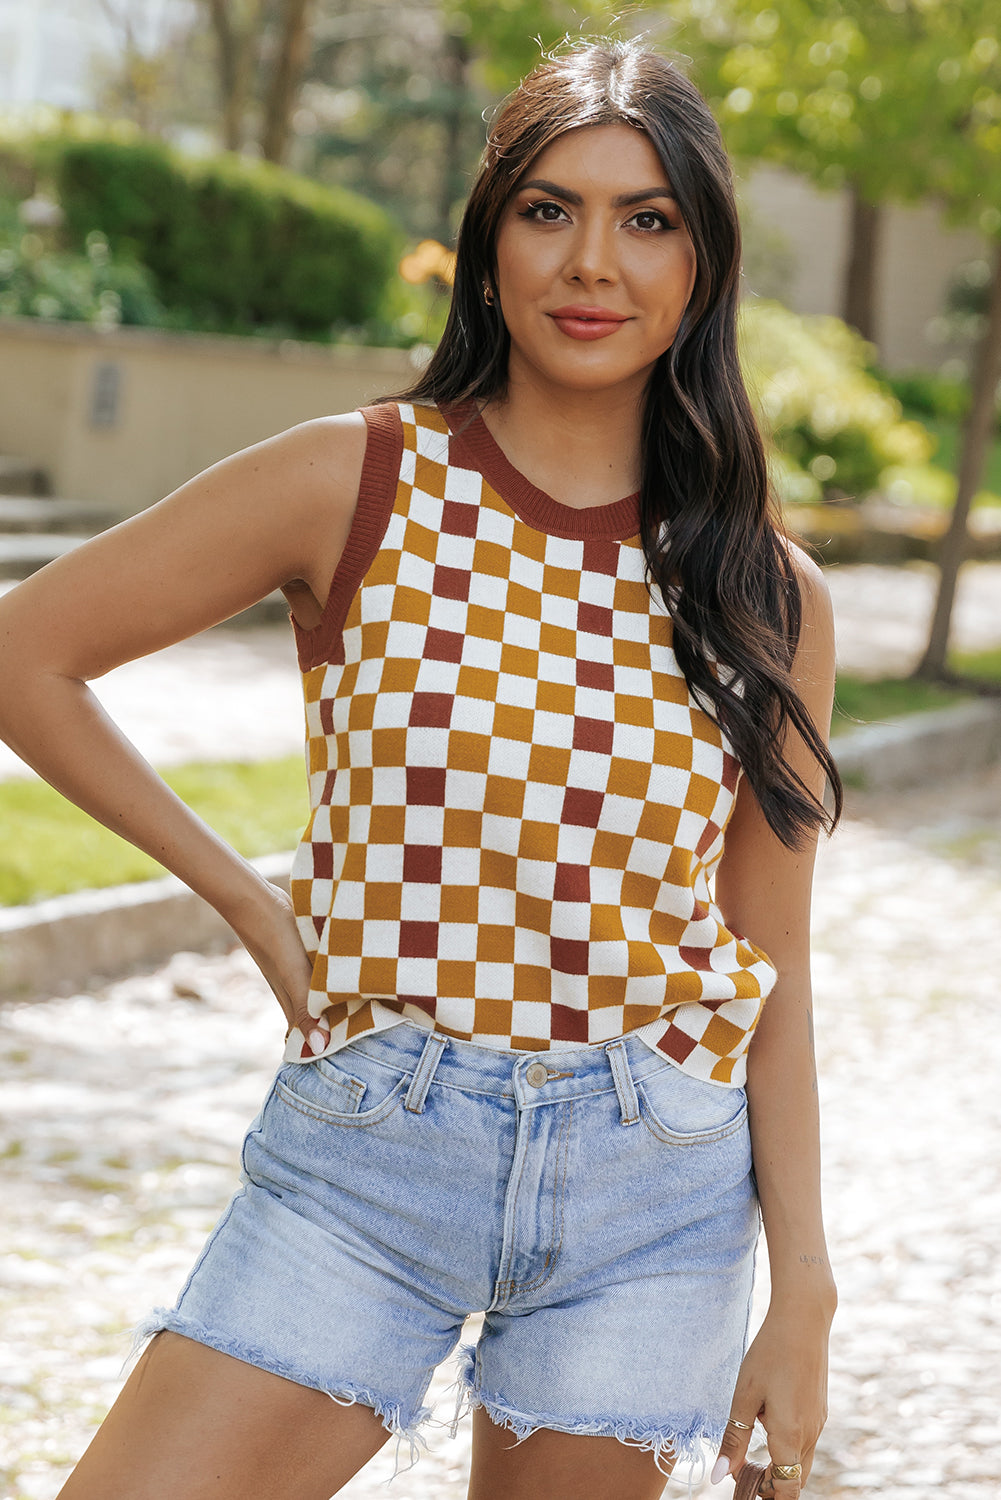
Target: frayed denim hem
{"type": "Point", "coordinates": [344, 1393]}
{"type": "Point", "coordinates": [669, 1446]}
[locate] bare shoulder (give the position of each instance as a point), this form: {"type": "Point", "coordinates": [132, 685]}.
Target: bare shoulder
{"type": "Point", "coordinates": [809, 575]}
{"type": "Point", "coordinates": [322, 458]}
{"type": "Point", "coordinates": [296, 492]}
{"type": "Point", "coordinates": [338, 441]}
{"type": "Point", "coordinates": [816, 647]}
{"type": "Point", "coordinates": [274, 514]}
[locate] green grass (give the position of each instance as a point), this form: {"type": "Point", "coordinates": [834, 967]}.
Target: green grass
{"type": "Point", "coordinates": [873, 701]}
{"type": "Point", "coordinates": [985, 664]}
{"type": "Point", "coordinates": [858, 700]}
{"type": "Point", "coordinates": [50, 847]}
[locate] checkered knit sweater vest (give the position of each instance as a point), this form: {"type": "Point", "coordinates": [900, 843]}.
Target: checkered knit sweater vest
{"type": "Point", "coordinates": [517, 805]}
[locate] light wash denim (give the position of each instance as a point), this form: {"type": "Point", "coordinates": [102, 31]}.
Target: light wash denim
{"type": "Point", "coordinates": [597, 1205]}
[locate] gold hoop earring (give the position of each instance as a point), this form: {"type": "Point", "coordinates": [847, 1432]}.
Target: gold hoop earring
{"type": "Point", "coordinates": [488, 294]}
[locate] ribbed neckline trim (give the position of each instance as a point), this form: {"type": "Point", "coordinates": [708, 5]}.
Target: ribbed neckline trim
{"type": "Point", "coordinates": [471, 437]}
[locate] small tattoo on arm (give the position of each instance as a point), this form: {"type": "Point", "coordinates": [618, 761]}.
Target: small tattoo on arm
{"type": "Point", "coordinates": [812, 1260]}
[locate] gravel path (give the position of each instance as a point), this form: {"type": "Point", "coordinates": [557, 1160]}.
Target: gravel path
{"type": "Point", "coordinates": [111, 1184]}
{"type": "Point", "coordinates": [227, 694]}
{"type": "Point", "coordinates": [883, 614]}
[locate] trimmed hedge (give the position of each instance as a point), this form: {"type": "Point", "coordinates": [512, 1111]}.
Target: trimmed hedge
{"type": "Point", "coordinates": [931, 395]}
{"type": "Point", "coordinates": [834, 429]}
{"type": "Point", "coordinates": [231, 243]}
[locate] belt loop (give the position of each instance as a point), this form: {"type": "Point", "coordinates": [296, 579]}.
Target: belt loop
{"type": "Point", "coordinates": [629, 1106]}
{"type": "Point", "coordinates": [424, 1073]}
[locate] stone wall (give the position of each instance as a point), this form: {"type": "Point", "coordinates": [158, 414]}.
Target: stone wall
{"type": "Point", "coordinates": [121, 417]}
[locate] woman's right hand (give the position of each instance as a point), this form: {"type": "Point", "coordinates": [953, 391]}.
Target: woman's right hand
{"type": "Point", "coordinates": [270, 934]}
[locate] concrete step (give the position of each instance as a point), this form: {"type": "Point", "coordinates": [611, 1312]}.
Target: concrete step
{"type": "Point", "coordinates": [38, 514]}
{"type": "Point", "coordinates": [18, 477]}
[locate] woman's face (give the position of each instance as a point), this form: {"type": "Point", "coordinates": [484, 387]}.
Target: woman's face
{"type": "Point", "coordinates": [594, 264]}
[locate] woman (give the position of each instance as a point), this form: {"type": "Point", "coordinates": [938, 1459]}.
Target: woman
{"type": "Point", "coordinates": [519, 1012]}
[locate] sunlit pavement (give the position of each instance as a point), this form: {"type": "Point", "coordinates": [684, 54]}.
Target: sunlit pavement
{"type": "Point", "coordinates": [122, 1112]}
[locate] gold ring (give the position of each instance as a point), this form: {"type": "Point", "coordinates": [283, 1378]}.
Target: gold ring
{"type": "Point", "coordinates": [744, 1426]}
{"type": "Point", "coordinates": [787, 1471]}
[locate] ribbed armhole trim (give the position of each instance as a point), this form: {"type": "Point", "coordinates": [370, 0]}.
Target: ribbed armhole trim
{"type": "Point", "coordinates": [376, 498]}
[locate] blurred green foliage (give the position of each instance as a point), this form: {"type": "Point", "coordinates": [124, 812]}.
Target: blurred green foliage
{"type": "Point", "coordinates": [931, 395]}
{"type": "Point", "coordinates": [902, 99]}
{"type": "Point", "coordinates": [834, 428]}
{"type": "Point", "coordinates": [220, 243]}
{"type": "Point", "coordinates": [941, 404]}
{"type": "Point", "coordinates": [508, 36]}
{"type": "Point", "coordinates": [876, 700]}
{"type": "Point", "coordinates": [231, 243]}
{"type": "Point", "coordinates": [93, 287]}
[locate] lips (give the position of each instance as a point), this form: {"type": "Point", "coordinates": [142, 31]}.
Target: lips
{"type": "Point", "coordinates": [584, 322]}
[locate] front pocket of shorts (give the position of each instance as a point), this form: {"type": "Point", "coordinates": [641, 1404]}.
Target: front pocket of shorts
{"type": "Point", "coordinates": [686, 1111]}
{"type": "Point", "coordinates": [327, 1092]}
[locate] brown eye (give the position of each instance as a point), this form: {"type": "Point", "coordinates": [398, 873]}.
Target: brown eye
{"type": "Point", "coordinates": [649, 219]}
{"type": "Point", "coordinates": [545, 212]}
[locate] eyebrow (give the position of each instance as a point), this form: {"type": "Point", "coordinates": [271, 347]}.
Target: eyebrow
{"type": "Point", "coordinates": [624, 200]}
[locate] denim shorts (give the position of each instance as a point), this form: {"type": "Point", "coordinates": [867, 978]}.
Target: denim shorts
{"type": "Point", "coordinates": [596, 1205]}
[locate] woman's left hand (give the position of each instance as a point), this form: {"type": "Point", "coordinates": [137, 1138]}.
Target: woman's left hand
{"type": "Point", "coordinates": [783, 1385]}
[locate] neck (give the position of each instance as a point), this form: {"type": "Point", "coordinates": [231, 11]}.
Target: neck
{"type": "Point", "coordinates": [580, 447]}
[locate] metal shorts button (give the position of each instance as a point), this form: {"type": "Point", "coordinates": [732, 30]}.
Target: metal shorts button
{"type": "Point", "coordinates": [536, 1074]}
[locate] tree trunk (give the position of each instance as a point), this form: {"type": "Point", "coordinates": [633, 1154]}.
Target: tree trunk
{"type": "Point", "coordinates": [234, 54]}
{"type": "Point", "coordinates": [976, 440]}
{"type": "Point", "coordinates": [455, 73]}
{"type": "Point", "coordinates": [290, 64]}
{"type": "Point", "coordinates": [859, 294]}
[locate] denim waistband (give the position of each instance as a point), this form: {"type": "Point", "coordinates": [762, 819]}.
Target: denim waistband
{"type": "Point", "coordinates": [531, 1079]}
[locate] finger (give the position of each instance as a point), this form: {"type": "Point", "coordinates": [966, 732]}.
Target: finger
{"type": "Point", "coordinates": [307, 1036]}
{"type": "Point", "coordinates": [782, 1486]}
{"type": "Point", "coordinates": [733, 1448]}
{"type": "Point", "coordinates": [786, 1446]}
{"type": "Point", "coordinates": [310, 1037]}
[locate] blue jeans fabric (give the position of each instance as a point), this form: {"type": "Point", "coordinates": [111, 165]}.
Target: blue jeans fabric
{"type": "Point", "coordinates": [597, 1205]}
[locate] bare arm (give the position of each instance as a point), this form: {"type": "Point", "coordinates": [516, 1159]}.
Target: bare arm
{"type": "Point", "coordinates": [764, 891]}
{"type": "Point", "coordinates": [276, 514]}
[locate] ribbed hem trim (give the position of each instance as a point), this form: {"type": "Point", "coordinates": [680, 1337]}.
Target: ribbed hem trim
{"type": "Point", "coordinates": [475, 447]}
{"type": "Point", "coordinates": [376, 498]}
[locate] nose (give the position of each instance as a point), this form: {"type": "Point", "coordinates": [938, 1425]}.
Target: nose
{"type": "Point", "coordinates": [592, 260]}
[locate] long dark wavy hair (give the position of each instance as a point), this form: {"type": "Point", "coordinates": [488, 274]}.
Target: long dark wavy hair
{"type": "Point", "coordinates": [713, 543]}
